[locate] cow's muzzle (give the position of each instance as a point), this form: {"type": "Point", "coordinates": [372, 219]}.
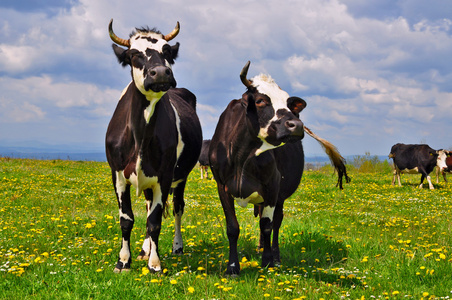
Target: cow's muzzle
{"type": "Point", "coordinates": [159, 79]}
{"type": "Point", "coordinates": [290, 130]}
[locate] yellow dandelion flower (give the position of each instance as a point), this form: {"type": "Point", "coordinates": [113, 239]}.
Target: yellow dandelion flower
{"type": "Point", "coordinates": [174, 281]}
{"type": "Point", "coordinates": [191, 290]}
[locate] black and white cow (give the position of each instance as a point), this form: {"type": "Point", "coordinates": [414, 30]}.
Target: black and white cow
{"type": "Point", "coordinates": [416, 158]}
{"type": "Point", "coordinates": [153, 140]}
{"type": "Point", "coordinates": [204, 159]}
{"type": "Point", "coordinates": [256, 157]}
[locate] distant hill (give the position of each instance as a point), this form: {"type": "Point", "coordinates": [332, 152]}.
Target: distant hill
{"type": "Point", "coordinates": [53, 153]}
{"type": "Point", "coordinates": [62, 152]}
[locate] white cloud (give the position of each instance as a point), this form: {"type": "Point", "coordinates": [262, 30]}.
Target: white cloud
{"type": "Point", "coordinates": [366, 69]}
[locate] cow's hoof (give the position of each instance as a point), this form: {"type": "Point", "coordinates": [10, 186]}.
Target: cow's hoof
{"type": "Point", "coordinates": [232, 271]}
{"type": "Point", "coordinates": [155, 271]}
{"type": "Point", "coordinates": [143, 255]}
{"type": "Point", "coordinates": [179, 251]}
{"type": "Point", "coordinates": [118, 270]}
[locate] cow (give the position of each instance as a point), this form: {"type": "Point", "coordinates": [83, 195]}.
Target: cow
{"type": "Point", "coordinates": [447, 170]}
{"type": "Point", "coordinates": [204, 159]}
{"type": "Point", "coordinates": [416, 158]}
{"type": "Point", "coordinates": [153, 140]}
{"type": "Point", "coordinates": [256, 156]}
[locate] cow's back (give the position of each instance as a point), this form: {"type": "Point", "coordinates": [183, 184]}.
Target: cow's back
{"type": "Point", "coordinates": [185, 104]}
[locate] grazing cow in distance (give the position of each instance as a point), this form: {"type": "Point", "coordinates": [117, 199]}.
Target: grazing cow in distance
{"type": "Point", "coordinates": [447, 170]}
{"type": "Point", "coordinates": [153, 140]}
{"type": "Point", "coordinates": [416, 158]}
{"type": "Point", "coordinates": [256, 157]}
{"type": "Point", "coordinates": [204, 158]}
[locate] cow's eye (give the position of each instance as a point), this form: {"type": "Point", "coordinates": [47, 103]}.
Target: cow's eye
{"type": "Point", "coordinates": [260, 101]}
{"type": "Point", "coordinates": [137, 60]}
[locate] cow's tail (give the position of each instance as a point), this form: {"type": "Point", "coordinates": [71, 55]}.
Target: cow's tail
{"type": "Point", "coordinates": [335, 157]}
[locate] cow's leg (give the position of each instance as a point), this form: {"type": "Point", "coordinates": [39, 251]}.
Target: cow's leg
{"type": "Point", "coordinates": [437, 170]}
{"type": "Point", "coordinates": [422, 181]}
{"type": "Point", "coordinates": [398, 178]}
{"type": "Point", "coordinates": [178, 211]}
{"type": "Point", "coordinates": [146, 247]}
{"type": "Point", "coordinates": [277, 220]}
{"type": "Point", "coordinates": [430, 185]}
{"type": "Point", "coordinates": [444, 175]}
{"type": "Point", "coordinates": [232, 230]}
{"type": "Point", "coordinates": [126, 221]}
{"type": "Point", "coordinates": [156, 205]}
{"type": "Point", "coordinates": [394, 174]}
{"type": "Point", "coordinates": [266, 224]}
{"type": "Point", "coordinates": [202, 171]}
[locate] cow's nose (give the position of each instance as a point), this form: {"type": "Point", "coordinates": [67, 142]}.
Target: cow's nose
{"type": "Point", "coordinates": [160, 73]}
{"type": "Point", "coordinates": [295, 127]}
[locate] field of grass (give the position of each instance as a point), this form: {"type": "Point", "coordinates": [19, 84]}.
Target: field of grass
{"type": "Point", "coordinates": [59, 239]}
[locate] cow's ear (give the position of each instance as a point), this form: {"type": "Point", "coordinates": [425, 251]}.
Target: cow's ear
{"type": "Point", "coordinates": [175, 51]}
{"type": "Point", "coordinates": [248, 102]}
{"type": "Point", "coordinates": [121, 54]}
{"type": "Point", "coordinates": [296, 105]}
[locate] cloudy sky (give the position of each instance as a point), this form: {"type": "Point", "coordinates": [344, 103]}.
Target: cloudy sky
{"type": "Point", "coordinates": [373, 73]}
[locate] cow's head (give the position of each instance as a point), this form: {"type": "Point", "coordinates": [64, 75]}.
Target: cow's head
{"type": "Point", "coordinates": [150, 57]}
{"type": "Point", "coordinates": [441, 159]}
{"type": "Point", "coordinates": [276, 113]}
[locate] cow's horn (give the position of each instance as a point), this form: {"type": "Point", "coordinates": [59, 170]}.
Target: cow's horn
{"type": "Point", "coordinates": [243, 74]}
{"type": "Point", "coordinates": [115, 38]}
{"type": "Point", "coordinates": [173, 33]}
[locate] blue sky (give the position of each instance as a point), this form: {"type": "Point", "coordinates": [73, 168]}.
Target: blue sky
{"type": "Point", "coordinates": [373, 73]}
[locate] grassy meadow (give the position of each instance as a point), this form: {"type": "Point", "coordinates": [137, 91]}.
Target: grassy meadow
{"type": "Point", "coordinates": [60, 238]}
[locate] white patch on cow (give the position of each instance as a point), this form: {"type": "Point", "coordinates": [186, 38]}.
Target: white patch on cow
{"type": "Point", "coordinates": [178, 242]}
{"type": "Point", "coordinates": [140, 181]}
{"type": "Point", "coordinates": [267, 86]}
{"type": "Point", "coordinates": [141, 44]}
{"type": "Point", "coordinates": [254, 198]}
{"type": "Point", "coordinates": [124, 254]}
{"type": "Point", "coordinates": [149, 111]}
{"type": "Point", "coordinates": [410, 171]}
{"type": "Point", "coordinates": [156, 199]}
{"type": "Point", "coordinates": [146, 247]}
{"type": "Point", "coordinates": [121, 183]}
{"type": "Point", "coordinates": [268, 212]}
{"type": "Point", "coordinates": [154, 260]}
{"type": "Point", "coordinates": [174, 184]}
{"type": "Point", "coordinates": [266, 146]}
{"type": "Point", "coordinates": [180, 143]}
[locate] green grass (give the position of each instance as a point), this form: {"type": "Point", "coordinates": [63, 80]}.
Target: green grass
{"type": "Point", "coordinates": [59, 239]}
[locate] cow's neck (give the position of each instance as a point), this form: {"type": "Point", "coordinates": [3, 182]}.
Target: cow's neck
{"type": "Point", "coordinates": [142, 111]}
{"type": "Point", "coordinates": [153, 99]}
{"type": "Point", "coordinates": [242, 147]}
